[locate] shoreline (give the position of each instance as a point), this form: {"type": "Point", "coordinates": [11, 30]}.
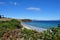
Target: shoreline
{"type": "Point", "coordinates": [33, 28]}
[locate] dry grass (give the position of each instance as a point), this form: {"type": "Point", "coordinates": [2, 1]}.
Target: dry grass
{"type": "Point", "coordinates": [4, 19]}
{"type": "Point", "coordinates": [7, 19]}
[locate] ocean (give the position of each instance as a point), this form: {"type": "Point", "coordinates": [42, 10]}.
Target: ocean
{"type": "Point", "coordinates": [43, 24]}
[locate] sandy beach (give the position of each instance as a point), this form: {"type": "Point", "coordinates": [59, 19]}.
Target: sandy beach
{"type": "Point", "coordinates": [25, 26]}
{"type": "Point", "coordinates": [33, 28]}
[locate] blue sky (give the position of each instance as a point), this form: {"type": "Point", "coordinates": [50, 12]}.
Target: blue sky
{"type": "Point", "coordinates": [31, 9]}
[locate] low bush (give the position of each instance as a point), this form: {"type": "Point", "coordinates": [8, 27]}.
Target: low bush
{"type": "Point", "coordinates": [7, 26]}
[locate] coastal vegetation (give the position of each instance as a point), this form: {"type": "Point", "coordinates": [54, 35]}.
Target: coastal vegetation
{"type": "Point", "coordinates": [51, 34]}
{"type": "Point", "coordinates": [8, 26]}
{"type": "Point", "coordinates": [30, 34]}
{"type": "Point", "coordinates": [12, 30]}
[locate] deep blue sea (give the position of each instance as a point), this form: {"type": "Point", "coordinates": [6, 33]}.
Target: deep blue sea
{"type": "Point", "coordinates": [43, 24]}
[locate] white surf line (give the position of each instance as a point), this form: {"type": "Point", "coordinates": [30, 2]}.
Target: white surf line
{"type": "Point", "coordinates": [33, 28]}
{"type": "Point", "coordinates": [36, 28]}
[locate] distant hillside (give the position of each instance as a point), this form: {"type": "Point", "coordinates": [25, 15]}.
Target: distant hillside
{"type": "Point", "coordinates": [2, 18]}
{"type": "Point", "coordinates": [26, 20]}
{"type": "Point", "coordinates": [23, 20]}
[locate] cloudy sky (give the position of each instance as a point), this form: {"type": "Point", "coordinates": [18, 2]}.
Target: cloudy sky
{"type": "Point", "coordinates": [31, 9]}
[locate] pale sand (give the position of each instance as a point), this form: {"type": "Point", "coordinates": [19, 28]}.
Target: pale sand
{"type": "Point", "coordinates": [25, 26]}
{"type": "Point", "coordinates": [33, 28]}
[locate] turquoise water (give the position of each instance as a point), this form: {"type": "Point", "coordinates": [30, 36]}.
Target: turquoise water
{"type": "Point", "coordinates": [43, 24]}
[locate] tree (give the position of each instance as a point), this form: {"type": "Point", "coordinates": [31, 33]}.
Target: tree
{"type": "Point", "coordinates": [0, 16]}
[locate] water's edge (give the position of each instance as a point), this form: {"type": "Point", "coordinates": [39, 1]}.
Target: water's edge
{"type": "Point", "coordinates": [33, 27]}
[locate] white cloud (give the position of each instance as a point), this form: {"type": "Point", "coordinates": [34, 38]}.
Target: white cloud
{"type": "Point", "coordinates": [2, 2]}
{"type": "Point", "coordinates": [33, 8]}
{"type": "Point", "coordinates": [14, 3]}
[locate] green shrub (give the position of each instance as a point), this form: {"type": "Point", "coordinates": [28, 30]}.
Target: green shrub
{"type": "Point", "coordinates": [29, 34]}
{"type": "Point", "coordinates": [9, 26]}
{"type": "Point", "coordinates": [54, 34]}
